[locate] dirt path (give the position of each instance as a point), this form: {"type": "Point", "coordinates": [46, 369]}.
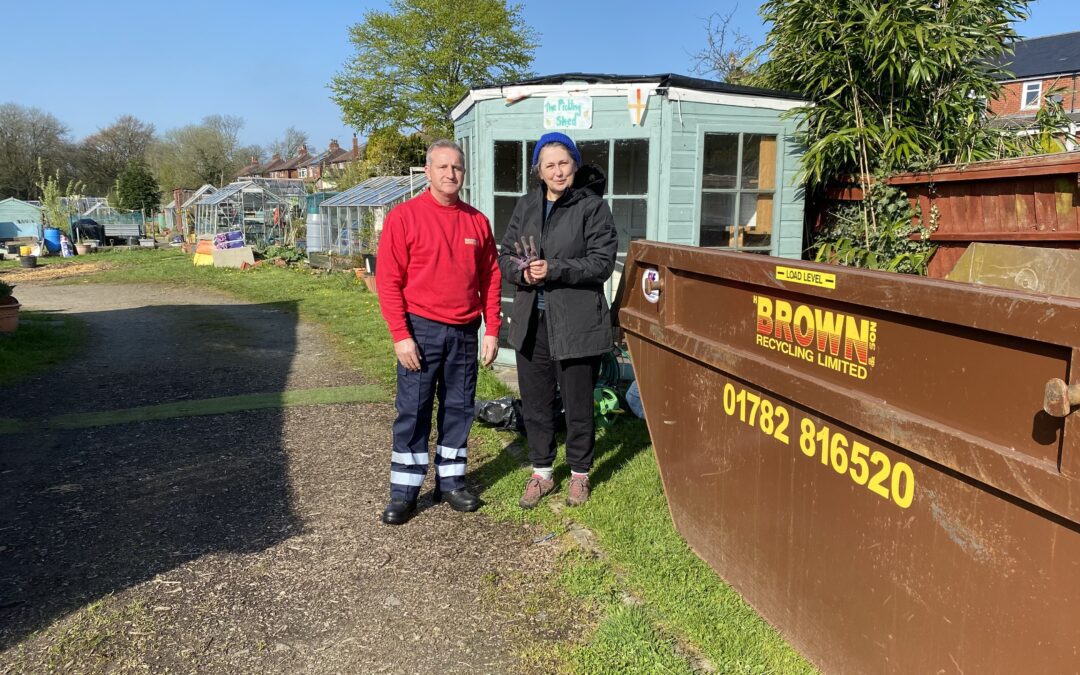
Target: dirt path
{"type": "Point", "coordinates": [243, 542]}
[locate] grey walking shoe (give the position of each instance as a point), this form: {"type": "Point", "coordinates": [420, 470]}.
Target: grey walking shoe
{"type": "Point", "coordinates": [535, 489]}
{"type": "Point", "coordinates": [578, 492]}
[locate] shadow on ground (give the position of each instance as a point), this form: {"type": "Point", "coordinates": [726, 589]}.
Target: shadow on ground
{"type": "Point", "coordinates": [89, 512]}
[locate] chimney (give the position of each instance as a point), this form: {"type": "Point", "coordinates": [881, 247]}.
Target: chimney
{"type": "Point", "coordinates": [301, 151]}
{"type": "Point", "coordinates": [355, 148]}
{"type": "Point", "coordinates": [254, 159]}
{"type": "Point", "coordinates": [334, 145]}
{"type": "Point", "coordinates": [277, 157]}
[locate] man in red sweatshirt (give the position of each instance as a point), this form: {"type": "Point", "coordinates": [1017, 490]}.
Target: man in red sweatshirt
{"type": "Point", "coordinates": [437, 274]}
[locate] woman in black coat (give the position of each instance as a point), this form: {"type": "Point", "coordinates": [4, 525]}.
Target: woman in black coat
{"type": "Point", "coordinates": [558, 250]}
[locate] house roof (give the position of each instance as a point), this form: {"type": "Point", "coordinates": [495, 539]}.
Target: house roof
{"type": "Point", "coordinates": [331, 157]}
{"type": "Point", "coordinates": [274, 165]}
{"type": "Point", "coordinates": [379, 191]}
{"type": "Point", "coordinates": [1022, 122]}
{"type": "Point", "coordinates": [1049, 55]}
{"type": "Point", "coordinates": [293, 162]}
{"type": "Point", "coordinates": [250, 168]}
{"type": "Point", "coordinates": [670, 84]}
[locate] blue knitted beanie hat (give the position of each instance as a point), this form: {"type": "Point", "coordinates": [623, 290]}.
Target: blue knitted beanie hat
{"type": "Point", "coordinates": [556, 137]}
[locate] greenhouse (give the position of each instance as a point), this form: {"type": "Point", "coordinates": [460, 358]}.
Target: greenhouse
{"type": "Point", "coordinates": [350, 221]}
{"type": "Point", "coordinates": [261, 208]}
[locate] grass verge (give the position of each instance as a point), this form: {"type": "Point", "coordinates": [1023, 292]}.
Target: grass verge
{"type": "Point", "coordinates": [42, 341]}
{"type": "Point", "coordinates": [662, 609]}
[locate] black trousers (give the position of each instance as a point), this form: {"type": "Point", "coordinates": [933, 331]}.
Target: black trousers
{"type": "Point", "coordinates": [538, 376]}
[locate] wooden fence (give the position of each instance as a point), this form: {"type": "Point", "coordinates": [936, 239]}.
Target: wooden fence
{"type": "Point", "coordinates": [1031, 201]}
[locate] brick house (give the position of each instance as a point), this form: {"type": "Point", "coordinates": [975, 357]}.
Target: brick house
{"type": "Point", "coordinates": [274, 165]}
{"type": "Point", "coordinates": [335, 158]}
{"type": "Point", "coordinates": [1040, 67]}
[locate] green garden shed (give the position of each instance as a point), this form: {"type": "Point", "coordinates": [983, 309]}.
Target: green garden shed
{"type": "Point", "coordinates": [19, 219]}
{"type": "Point", "coordinates": [688, 161]}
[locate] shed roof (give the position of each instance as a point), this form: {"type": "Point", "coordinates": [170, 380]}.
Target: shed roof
{"type": "Point", "coordinates": [207, 188]}
{"type": "Point", "coordinates": [379, 191]}
{"type": "Point", "coordinates": [1048, 55]}
{"type": "Point", "coordinates": [12, 201]}
{"type": "Point", "coordinates": [233, 189]}
{"type": "Point", "coordinates": [616, 85]}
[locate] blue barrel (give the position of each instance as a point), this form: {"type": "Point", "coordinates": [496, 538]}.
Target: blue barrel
{"type": "Point", "coordinates": [52, 239]}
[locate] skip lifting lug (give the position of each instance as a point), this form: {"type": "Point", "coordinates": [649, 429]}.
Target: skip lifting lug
{"type": "Point", "coordinates": [1060, 397]}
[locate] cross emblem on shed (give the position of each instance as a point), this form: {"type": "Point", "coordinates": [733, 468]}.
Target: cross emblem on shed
{"type": "Point", "coordinates": [637, 100]}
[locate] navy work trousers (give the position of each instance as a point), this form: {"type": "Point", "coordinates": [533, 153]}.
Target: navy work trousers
{"type": "Point", "coordinates": [448, 368]}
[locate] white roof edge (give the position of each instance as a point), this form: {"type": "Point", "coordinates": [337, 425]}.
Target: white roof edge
{"type": "Point", "coordinates": [621, 89]}
{"type": "Point", "coordinates": [739, 100]}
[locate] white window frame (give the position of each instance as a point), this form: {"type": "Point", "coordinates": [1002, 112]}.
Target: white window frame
{"type": "Point", "coordinates": [1024, 90]}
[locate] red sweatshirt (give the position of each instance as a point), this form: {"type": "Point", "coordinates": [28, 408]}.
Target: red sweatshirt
{"type": "Point", "coordinates": [438, 262]}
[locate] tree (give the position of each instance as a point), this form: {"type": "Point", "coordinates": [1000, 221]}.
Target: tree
{"type": "Point", "coordinates": [728, 55]}
{"type": "Point", "coordinates": [387, 153]}
{"type": "Point", "coordinates": [209, 152]}
{"type": "Point", "coordinates": [29, 136]}
{"type": "Point", "coordinates": [894, 84]}
{"type": "Point", "coordinates": [415, 62]}
{"type": "Point", "coordinates": [290, 143]}
{"type": "Point", "coordinates": [105, 154]}
{"type": "Point", "coordinates": [136, 189]}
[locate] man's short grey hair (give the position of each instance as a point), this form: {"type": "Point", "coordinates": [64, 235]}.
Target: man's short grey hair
{"type": "Point", "coordinates": [444, 143]}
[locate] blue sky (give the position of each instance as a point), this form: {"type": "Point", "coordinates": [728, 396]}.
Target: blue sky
{"type": "Point", "coordinates": [269, 62]}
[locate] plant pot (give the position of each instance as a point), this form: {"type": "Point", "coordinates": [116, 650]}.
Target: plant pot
{"type": "Point", "coordinates": [82, 249]}
{"type": "Point", "coordinates": [28, 261]}
{"type": "Point", "coordinates": [368, 279]}
{"type": "Point", "coordinates": [369, 263]}
{"type": "Point", "coordinates": [9, 314]}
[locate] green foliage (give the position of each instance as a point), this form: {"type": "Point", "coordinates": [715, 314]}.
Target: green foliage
{"type": "Point", "coordinates": [54, 205]}
{"type": "Point", "coordinates": [136, 189]}
{"type": "Point", "coordinates": [208, 152]}
{"type": "Point", "coordinates": [413, 63]}
{"type": "Point", "coordinates": [876, 234]}
{"type": "Point", "coordinates": [1050, 131]}
{"type": "Point", "coordinates": [388, 153]}
{"type": "Point", "coordinates": [6, 289]}
{"type": "Point", "coordinates": [104, 155]}
{"type": "Point", "coordinates": [289, 254]}
{"type": "Point", "coordinates": [895, 84]}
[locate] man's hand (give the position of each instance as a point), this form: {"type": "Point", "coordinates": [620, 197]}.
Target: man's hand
{"type": "Point", "coordinates": [536, 272]}
{"type": "Point", "coordinates": [489, 350]}
{"type": "Point", "coordinates": [407, 354]}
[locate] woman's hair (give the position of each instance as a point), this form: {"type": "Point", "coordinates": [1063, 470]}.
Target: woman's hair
{"type": "Point", "coordinates": [444, 143]}
{"type": "Point", "coordinates": [553, 144]}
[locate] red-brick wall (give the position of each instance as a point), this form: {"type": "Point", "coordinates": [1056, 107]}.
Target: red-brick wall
{"type": "Point", "coordinates": [1011, 95]}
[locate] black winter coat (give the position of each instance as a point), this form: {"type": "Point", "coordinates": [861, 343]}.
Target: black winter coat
{"type": "Point", "coordinates": [579, 242]}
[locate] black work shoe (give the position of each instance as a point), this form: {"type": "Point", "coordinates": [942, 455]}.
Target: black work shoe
{"type": "Point", "coordinates": [398, 511]}
{"type": "Point", "coordinates": [459, 500]}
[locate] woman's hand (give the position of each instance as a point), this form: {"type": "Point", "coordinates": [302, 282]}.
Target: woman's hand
{"type": "Point", "coordinates": [536, 272]}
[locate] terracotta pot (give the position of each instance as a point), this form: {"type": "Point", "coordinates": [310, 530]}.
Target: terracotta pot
{"type": "Point", "coordinates": [9, 314]}
{"type": "Point", "coordinates": [82, 249]}
{"type": "Point", "coordinates": [369, 281]}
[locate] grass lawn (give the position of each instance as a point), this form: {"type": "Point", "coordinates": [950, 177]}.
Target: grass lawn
{"type": "Point", "coordinates": [663, 610]}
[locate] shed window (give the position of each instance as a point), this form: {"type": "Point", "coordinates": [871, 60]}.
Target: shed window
{"type": "Point", "coordinates": [1032, 94]}
{"type": "Point", "coordinates": [738, 186]}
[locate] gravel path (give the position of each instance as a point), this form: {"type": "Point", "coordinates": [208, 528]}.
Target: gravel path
{"type": "Point", "coordinates": [246, 542]}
